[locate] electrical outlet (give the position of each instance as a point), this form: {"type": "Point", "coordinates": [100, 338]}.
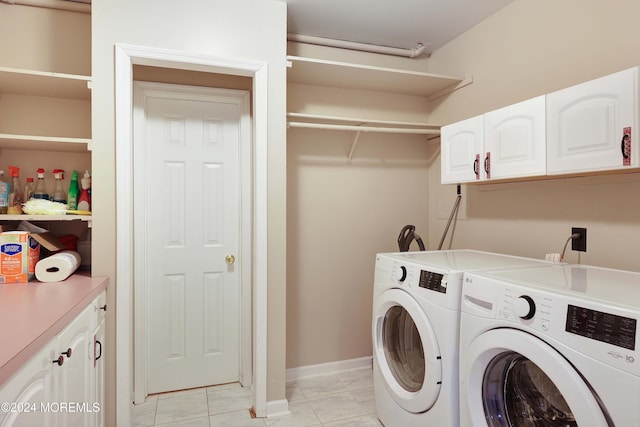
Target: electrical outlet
{"type": "Point", "coordinates": [579, 243]}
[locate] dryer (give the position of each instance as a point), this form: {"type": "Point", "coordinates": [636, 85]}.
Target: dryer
{"type": "Point", "coordinates": [415, 332]}
{"type": "Point", "coordinates": [551, 346]}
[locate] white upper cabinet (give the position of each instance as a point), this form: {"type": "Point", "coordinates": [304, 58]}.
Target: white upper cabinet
{"type": "Point", "coordinates": [504, 143]}
{"type": "Point", "coordinates": [461, 145]}
{"type": "Point", "coordinates": [593, 126]}
{"type": "Point", "coordinates": [514, 140]}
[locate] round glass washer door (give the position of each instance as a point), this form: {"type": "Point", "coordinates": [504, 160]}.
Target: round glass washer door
{"type": "Point", "coordinates": [406, 351]}
{"type": "Point", "coordinates": [514, 379]}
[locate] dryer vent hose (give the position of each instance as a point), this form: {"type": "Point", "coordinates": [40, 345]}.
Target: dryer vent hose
{"type": "Point", "coordinates": [407, 235]}
{"type": "Point", "coordinates": [456, 206]}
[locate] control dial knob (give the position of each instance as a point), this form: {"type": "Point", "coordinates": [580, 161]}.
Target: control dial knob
{"type": "Point", "coordinates": [524, 307]}
{"type": "Point", "coordinates": [401, 274]}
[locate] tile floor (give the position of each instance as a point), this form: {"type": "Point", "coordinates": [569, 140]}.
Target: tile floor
{"type": "Point", "coordinates": [342, 399]}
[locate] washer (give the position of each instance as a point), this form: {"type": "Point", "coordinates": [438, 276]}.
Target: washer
{"type": "Point", "coordinates": [551, 346]}
{"type": "Point", "coordinates": [416, 310]}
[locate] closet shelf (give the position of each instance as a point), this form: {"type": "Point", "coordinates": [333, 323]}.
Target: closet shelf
{"type": "Point", "coordinates": [314, 71]}
{"type": "Point", "coordinates": [316, 121]}
{"type": "Point", "coordinates": [44, 83]}
{"type": "Point", "coordinates": [45, 143]}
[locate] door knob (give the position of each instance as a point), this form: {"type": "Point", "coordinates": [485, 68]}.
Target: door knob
{"type": "Point", "coordinates": [230, 259]}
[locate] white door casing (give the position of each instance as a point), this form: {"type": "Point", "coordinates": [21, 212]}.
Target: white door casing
{"type": "Point", "coordinates": [187, 211]}
{"type": "Point", "coordinates": [128, 388]}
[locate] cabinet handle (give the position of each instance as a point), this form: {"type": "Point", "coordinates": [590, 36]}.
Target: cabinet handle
{"type": "Point", "coordinates": [104, 307]}
{"type": "Point", "coordinates": [59, 361]}
{"type": "Point", "coordinates": [99, 355]}
{"type": "Point", "coordinates": [67, 353]}
{"type": "Point", "coordinates": [487, 164]}
{"type": "Point", "coordinates": [475, 166]}
{"type": "Point", "coordinates": [624, 146]}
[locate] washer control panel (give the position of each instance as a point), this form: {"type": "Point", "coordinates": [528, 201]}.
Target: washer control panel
{"type": "Point", "coordinates": [415, 276]}
{"type": "Point", "coordinates": [535, 311]}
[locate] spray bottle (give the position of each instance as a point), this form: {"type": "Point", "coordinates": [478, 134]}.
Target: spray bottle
{"type": "Point", "coordinates": [72, 199]}
{"type": "Point", "coordinates": [41, 189]}
{"type": "Point", "coordinates": [84, 200]}
{"type": "Point", "coordinates": [28, 189]}
{"type": "Point", "coordinates": [4, 193]}
{"type": "Point", "coordinates": [59, 194]}
{"type": "Point", "coordinates": [16, 197]}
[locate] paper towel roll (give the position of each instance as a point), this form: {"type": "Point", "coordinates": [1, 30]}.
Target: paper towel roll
{"type": "Point", "coordinates": [57, 267]}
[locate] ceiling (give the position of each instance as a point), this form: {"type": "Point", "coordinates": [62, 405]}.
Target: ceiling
{"type": "Point", "coordinates": [395, 23]}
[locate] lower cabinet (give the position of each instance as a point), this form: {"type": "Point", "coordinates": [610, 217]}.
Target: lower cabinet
{"type": "Point", "coordinates": [63, 384]}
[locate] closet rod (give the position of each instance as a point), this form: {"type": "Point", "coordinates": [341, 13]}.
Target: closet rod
{"type": "Point", "coordinates": [364, 128]}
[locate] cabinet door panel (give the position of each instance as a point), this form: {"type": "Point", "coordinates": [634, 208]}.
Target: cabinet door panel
{"type": "Point", "coordinates": [72, 378]}
{"type": "Point", "coordinates": [29, 391]}
{"type": "Point", "coordinates": [587, 124]}
{"type": "Point", "coordinates": [96, 378]}
{"type": "Point", "coordinates": [461, 144]}
{"type": "Point", "coordinates": [514, 139]}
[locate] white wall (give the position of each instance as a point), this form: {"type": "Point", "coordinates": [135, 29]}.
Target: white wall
{"type": "Point", "coordinates": [528, 49]}
{"type": "Point", "coordinates": [234, 29]}
{"type": "Point", "coordinates": [341, 213]}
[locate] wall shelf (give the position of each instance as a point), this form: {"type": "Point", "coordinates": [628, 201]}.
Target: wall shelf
{"type": "Point", "coordinates": [320, 72]}
{"type": "Point", "coordinates": [44, 143]}
{"type": "Point", "coordinates": [42, 83]}
{"type": "Point", "coordinates": [47, 218]}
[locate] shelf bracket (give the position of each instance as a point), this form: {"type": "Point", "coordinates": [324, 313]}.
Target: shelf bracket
{"type": "Point", "coordinates": [450, 89]}
{"type": "Point", "coordinates": [353, 146]}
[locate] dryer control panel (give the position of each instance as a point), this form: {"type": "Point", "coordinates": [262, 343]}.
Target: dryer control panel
{"type": "Point", "coordinates": [432, 281]}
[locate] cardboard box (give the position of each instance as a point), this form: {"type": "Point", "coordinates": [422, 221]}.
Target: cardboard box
{"type": "Point", "coordinates": [19, 253]}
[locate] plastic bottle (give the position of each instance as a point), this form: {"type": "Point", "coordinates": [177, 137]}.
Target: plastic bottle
{"type": "Point", "coordinates": [59, 194]}
{"type": "Point", "coordinates": [41, 189]}
{"type": "Point", "coordinates": [74, 190]}
{"type": "Point", "coordinates": [28, 189]}
{"type": "Point", "coordinates": [16, 197]}
{"type": "Point", "coordinates": [5, 189]}
{"type": "Point", "coordinates": [84, 200]}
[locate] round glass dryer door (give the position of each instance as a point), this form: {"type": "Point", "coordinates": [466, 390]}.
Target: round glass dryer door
{"type": "Point", "coordinates": [514, 379]}
{"type": "Point", "coordinates": [406, 351]}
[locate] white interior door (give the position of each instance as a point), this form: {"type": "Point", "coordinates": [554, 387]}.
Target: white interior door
{"type": "Point", "coordinates": [188, 165]}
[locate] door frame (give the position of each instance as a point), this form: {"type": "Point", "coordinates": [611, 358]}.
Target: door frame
{"type": "Point", "coordinates": [125, 57]}
{"type": "Point", "coordinates": [141, 91]}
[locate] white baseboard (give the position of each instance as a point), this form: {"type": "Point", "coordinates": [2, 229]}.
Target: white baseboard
{"type": "Point", "coordinates": [328, 368]}
{"type": "Point", "coordinates": [277, 408]}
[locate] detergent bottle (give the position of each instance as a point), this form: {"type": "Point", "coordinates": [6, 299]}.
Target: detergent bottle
{"type": "Point", "coordinates": [84, 200]}
{"type": "Point", "coordinates": [72, 199]}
